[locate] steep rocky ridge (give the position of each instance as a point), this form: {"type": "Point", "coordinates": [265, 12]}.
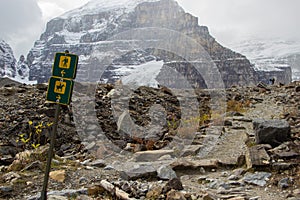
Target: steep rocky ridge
{"type": "Point", "coordinates": [7, 60]}
{"type": "Point", "coordinates": [9, 66]}
{"type": "Point", "coordinates": [87, 29]}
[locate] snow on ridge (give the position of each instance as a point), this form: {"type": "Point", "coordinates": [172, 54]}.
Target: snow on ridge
{"type": "Point", "coordinates": [97, 6]}
{"type": "Point", "coordinates": [140, 75]}
{"type": "Point", "coordinates": [264, 48]}
{"type": "Point", "coordinates": [268, 54]}
{"type": "Point", "coordinates": [21, 80]}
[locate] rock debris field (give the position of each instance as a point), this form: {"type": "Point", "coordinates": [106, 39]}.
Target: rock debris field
{"type": "Point", "coordinates": [152, 143]}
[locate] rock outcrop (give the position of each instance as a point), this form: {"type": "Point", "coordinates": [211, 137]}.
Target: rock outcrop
{"type": "Point", "coordinates": [89, 29]}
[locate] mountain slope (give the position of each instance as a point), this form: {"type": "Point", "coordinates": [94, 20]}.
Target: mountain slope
{"type": "Point", "coordinates": [90, 30]}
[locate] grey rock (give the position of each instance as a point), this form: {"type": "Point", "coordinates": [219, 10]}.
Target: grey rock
{"type": "Point", "coordinates": [213, 184]}
{"type": "Point", "coordinates": [148, 156]}
{"type": "Point", "coordinates": [239, 172]}
{"type": "Point", "coordinates": [273, 132]}
{"type": "Point", "coordinates": [68, 192]}
{"type": "Point", "coordinates": [258, 178]}
{"type": "Point", "coordinates": [255, 198]}
{"type": "Point", "coordinates": [279, 166]}
{"type": "Point", "coordinates": [166, 173]}
{"type": "Point", "coordinates": [5, 190]}
{"type": "Point", "coordinates": [257, 156]}
{"type": "Point", "coordinates": [284, 183]}
{"type": "Point", "coordinates": [174, 184]}
{"type": "Point", "coordinates": [83, 180]}
{"type": "Point", "coordinates": [138, 171]}
{"type": "Point", "coordinates": [175, 195]}
{"type": "Point", "coordinates": [97, 163]}
{"type": "Point", "coordinates": [210, 197]}
{"type": "Point", "coordinates": [11, 176]}
{"type": "Point", "coordinates": [188, 163]}
{"type": "Point", "coordinates": [191, 150]}
{"type": "Point", "coordinates": [61, 193]}
{"type": "Point", "coordinates": [109, 167]}
{"type": "Point", "coordinates": [233, 177]}
{"type": "Point", "coordinates": [56, 197]}
{"type": "Point", "coordinates": [34, 165]}
{"type": "Point", "coordinates": [90, 146]}
{"type": "Point", "coordinates": [241, 119]}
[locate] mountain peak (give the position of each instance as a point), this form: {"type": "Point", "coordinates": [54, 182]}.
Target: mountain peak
{"type": "Point", "coordinates": [97, 6]}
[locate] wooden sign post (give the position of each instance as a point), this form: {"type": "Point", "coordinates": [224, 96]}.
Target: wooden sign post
{"type": "Point", "coordinates": [59, 91]}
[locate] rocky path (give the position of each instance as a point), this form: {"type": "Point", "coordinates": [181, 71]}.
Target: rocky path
{"type": "Point", "coordinates": [230, 150]}
{"type": "Point", "coordinates": [232, 143]}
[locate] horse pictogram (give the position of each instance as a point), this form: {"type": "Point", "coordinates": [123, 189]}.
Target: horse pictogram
{"type": "Point", "coordinates": [60, 87]}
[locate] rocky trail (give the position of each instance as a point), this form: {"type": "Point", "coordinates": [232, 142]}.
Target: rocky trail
{"type": "Point", "coordinates": [252, 152]}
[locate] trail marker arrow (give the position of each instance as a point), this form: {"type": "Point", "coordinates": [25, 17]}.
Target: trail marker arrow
{"type": "Point", "coordinates": [63, 73]}
{"type": "Point", "coordinates": [58, 98]}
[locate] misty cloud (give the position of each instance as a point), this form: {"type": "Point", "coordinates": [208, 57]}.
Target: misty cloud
{"type": "Point", "coordinates": [235, 20]}
{"type": "Point", "coordinates": [20, 23]}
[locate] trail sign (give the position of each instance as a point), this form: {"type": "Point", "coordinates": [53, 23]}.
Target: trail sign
{"type": "Point", "coordinates": [65, 65]}
{"type": "Point", "coordinates": [60, 90]}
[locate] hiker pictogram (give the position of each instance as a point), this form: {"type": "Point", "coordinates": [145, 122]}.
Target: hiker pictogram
{"type": "Point", "coordinates": [65, 65]}
{"type": "Point", "coordinates": [65, 62]}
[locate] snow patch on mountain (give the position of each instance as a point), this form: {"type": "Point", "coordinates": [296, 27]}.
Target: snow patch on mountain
{"type": "Point", "coordinates": [97, 6]}
{"type": "Point", "coordinates": [272, 48]}
{"type": "Point", "coordinates": [140, 75]}
{"type": "Point", "coordinates": [271, 54]}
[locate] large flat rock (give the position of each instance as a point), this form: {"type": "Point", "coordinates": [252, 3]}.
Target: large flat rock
{"type": "Point", "coordinates": [188, 163]}
{"type": "Point", "coordinates": [148, 156]}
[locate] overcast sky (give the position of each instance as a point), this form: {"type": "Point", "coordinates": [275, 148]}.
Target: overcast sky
{"type": "Point", "coordinates": [229, 21]}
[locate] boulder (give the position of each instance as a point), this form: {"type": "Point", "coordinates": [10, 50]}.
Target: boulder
{"type": "Point", "coordinates": [273, 132]}
{"type": "Point", "coordinates": [138, 171]}
{"type": "Point", "coordinates": [173, 184]}
{"type": "Point", "coordinates": [59, 175]}
{"type": "Point", "coordinates": [166, 173]}
{"type": "Point", "coordinates": [257, 156]}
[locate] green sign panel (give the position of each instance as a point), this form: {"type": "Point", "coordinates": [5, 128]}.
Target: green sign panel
{"type": "Point", "coordinates": [60, 90]}
{"type": "Point", "coordinates": [65, 65]}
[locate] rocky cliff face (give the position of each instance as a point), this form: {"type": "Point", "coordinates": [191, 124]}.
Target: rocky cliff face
{"type": "Point", "coordinates": [280, 74]}
{"type": "Point", "coordinates": [86, 30]}
{"type": "Point", "coordinates": [9, 66]}
{"type": "Point", "coordinates": [7, 60]}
